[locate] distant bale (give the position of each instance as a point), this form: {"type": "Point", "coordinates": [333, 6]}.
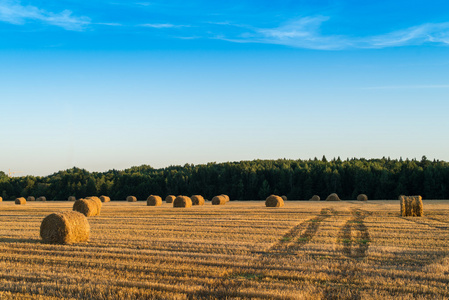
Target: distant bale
{"type": "Point", "coordinates": [362, 197]}
{"type": "Point", "coordinates": [284, 198]}
{"type": "Point", "coordinates": [333, 197]}
{"type": "Point", "coordinates": [274, 201]}
{"type": "Point", "coordinates": [154, 201]}
{"type": "Point", "coordinates": [219, 200]}
{"type": "Point", "coordinates": [315, 198]}
{"type": "Point", "coordinates": [131, 199]}
{"type": "Point", "coordinates": [105, 199]}
{"type": "Point", "coordinates": [1, 199]}
{"type": "Point", "coordinates": [170, 198]}
{"type": "Point", "coordinates": [31, 198]}
{"type": "Point", "coordinates": [42, 198]}
{"type": "Point", "coordinates": [88, 207]}
{"type": "Point", "coordinates": [182, 201]}
{"type": "Point", "coordinates": [72, 198]}
{"type": "Point", "coordinates": [197, 200]}
{"type": "Point", "coordinates": [21, 201]}
{"type": "Point", "coordinates": [65, 228]}
{"type": "Point", "coordinates": [226, 197]}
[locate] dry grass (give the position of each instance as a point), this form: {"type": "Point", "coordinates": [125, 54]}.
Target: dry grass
{"type": "Point", "coordinates": [304, 250]}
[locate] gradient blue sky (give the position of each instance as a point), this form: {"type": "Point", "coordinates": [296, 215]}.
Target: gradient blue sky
{"type": "Point", "coordinates": [112, 84]}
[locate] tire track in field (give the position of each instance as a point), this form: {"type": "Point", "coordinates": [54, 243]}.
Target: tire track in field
{"type": "Point", "coordinates": [350, 247]}
{"type": "Point", "coordinates": [355, 250]}
{"type": "Point", "coordinates": [293, 240]}
{"type": "Point", "coordinates": [288, 244]}
{"type": "Point", "coordinates": [421, 221]}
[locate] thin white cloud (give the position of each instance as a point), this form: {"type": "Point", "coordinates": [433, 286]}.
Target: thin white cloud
{"type": "Point", "coordinates": [163, 25]}
{"type": "Point", "coordinates": [13, 12]}
{"type": "Point", "coordinates": [306, 33]}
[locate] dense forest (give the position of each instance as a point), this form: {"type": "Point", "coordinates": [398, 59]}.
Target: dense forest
{"type": "Point", "coordinates": [246, 180]}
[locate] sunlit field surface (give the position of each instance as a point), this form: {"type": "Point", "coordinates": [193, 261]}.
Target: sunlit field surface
{"type": "Point", "coordinates": [312, 250]}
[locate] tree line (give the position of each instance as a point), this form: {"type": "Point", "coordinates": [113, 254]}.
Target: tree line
{"type": "Point", "coordinates": [246, 180]}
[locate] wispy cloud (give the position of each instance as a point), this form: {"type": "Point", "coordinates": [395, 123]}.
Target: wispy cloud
{"type": "Point", "coordinates": [306, 33]}
{"type": "Point", "coordinates": [163, 25]}
{"type": "Point", "coordinates": [14, 12]}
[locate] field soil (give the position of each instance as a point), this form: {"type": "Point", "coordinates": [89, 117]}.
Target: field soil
{"type": "Point", "coordinates": [241, 250]}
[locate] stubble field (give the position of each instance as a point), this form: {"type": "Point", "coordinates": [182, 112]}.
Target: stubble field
{"type": "Point", "coordinates": [304, 250]}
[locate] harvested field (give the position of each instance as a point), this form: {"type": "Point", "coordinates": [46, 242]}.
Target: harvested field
{"type": "Point", "coordinates": [312, 250]}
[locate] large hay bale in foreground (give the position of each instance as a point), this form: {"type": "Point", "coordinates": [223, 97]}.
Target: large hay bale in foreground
{"type": "Point", "coordinates": [333, 197]}
{"type": "Point", "coordinates": [170, 198]}
{"type": "Point", "coordinates": [131, 199]}
{"type": "Point", "coordinates": [42, 198]}
{"type": "Point", "coordinates": [182, 201]}
{"type": "Point", "coordinates": [105, 199]}
{"type": "Point", "coordinates": [362, 197]}
{"type": "Point", "coordinates": [411, 206]}
{"type": "Point", "coordinates": [315, 198]}
{"type": "Point", "coordinates": [226, 197]}
{"type": "Point", "coordinates": [197, 200]}
{"type": "Point", "coordinates": [274, 201]}
{"type": "Point", "coordinates": [154, 200]}
{"type": "Point", "coordinates": [65, 228]}
{"type": "Point", "coordinates": [219, 200]}
{"type": "Point", "coordinates": [1, 199]}
{"type": "Point", "coordinates": [31, 198]}
{"type": "Point", "coordinates": [71, 198]}
{"type": "Point", "coordinates": [88, 207]}
{"type": "Point", "coordinates": [21, 201]}
{"type": "Point", "coordinates": [284, 198]}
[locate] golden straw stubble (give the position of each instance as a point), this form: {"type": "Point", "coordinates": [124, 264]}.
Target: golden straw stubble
{"type": "Point", "coordinates": [65, 228]}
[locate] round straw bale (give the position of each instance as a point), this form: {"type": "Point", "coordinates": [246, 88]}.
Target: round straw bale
{"type": "Point", "coordinates": [65, 228]}
{"type": "Point", "coordinates": [182, 201]}
{"type": "Point", "coordinates": [418, 206]}
{"type": "Point", "coordinates": [131, 199]}
{"type": "Point", "coordinates": [170, 198]}
{"type": "Point", "coordinates": [284, 198]}
{"type": "Point", "coordinates": [104, 198]}
{"type": "Point", "coordinates": [315, 198]}
{"type": "Point", "coordinates": [21, 201]}
{"type": "Point", "coordinates": [274, 201]}
{"type": "Point", "coordinates": [31, 198]}
{"type": "Point", "coordinates": [219, 200]}
{"type": "Point", "coordinates": [88, 207]}
{"type": "Point", "coordinates": [362, 197]}
{"type": "Point", "coordinates": [226, 197]}
{"type": "Point", "coordinates": [42, 198]}
{"type": "Point", "coordinates": [98, 202]}
{"type": "Point", "coordinates": [333, 197]}
{"type": "Point", "coordinates": [197, 200]}
{"type": "Point", "coordinates": [154, 201]}
{"type": "Point", "coordinates": [1, 199]}
{"type": "Point", "coordinates": [71, 198]}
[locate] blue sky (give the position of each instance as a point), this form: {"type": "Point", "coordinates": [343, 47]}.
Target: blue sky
{"type": "Point", "coordinates": [112, 84]}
